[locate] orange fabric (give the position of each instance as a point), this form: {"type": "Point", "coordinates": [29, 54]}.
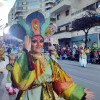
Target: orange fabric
{"type": "Point", "coordinates": [59, 86]}
{"type": "Point", "coordinates": [36, 26]}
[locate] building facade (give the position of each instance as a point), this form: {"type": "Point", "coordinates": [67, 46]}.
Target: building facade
{"type": "Point", "coordinates": [65, 11]}
{"type": "Point", "coordinates": [24, 7]}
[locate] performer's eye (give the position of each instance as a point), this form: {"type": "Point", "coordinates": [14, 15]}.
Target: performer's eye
{"type": "Point", "coordinates": [41, 41]}
{"type": "Point", "coordinates": [34, 41]}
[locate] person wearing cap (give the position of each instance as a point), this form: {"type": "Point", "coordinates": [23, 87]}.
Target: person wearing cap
{"type": "Point", "coordinates": [2, 54]}
{"type": "Point", "coordinates": [39, 77]}
{"type": "Point", "coordinates": [54, 54]}
{"type": "Point", "coordinates": [9, 87]}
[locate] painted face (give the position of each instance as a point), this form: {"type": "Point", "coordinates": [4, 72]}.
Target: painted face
{"type": "Point", "coordinates": [12, 61]}
{"type": "Point", "coordinates": [37, 44]}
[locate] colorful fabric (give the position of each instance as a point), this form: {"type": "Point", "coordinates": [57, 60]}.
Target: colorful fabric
{"type": "Point", "coordinates": [83, 58]}
{"type": "Point", "coordinates": [34, 24]}
{"type": "Point", "coordinates": [43, 80]}
{"type": "Point", "coordinates": [74, 92]}
{"type": "Point", "coordinates": [94, 47]}
{"type": "Point", "coordinates": [9, 67]}
{"type": "Point", "coordinates": [9, 87]}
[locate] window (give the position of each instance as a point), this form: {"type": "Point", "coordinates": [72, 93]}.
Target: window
{"type": "Point", "coordinates": [67, 12]}
{"type": "Point", "coordinates": [19, 3]}
{"type": "Point", "coordinates": [24, 8]}
{"type": "Point", "coordinates": [19, 8]}
{"type": "Point", "coordinates": [24, 3]}
{"type": "Point", "coordinates": [67, 28]}
{"type": "Point", "coordinates": [58, 17]}
{"type": "Point", "coordinates": [98, 4]}
{"type": "Point", "coordinates": [58, 29]}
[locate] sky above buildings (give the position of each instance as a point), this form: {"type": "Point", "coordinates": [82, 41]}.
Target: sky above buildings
{"type": "Point", "coordinates": [5, 6]}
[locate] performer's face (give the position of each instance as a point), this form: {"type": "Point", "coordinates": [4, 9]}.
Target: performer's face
{"type": "Point", "coordinates": [11, 61]}
{"type": "Point", "coordinates": [37, 43]}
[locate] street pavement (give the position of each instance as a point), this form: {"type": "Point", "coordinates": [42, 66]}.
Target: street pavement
{"type": "Point", "coordinates": [3, 93]}
{"type": "Point", "coordinates": [88, 77]}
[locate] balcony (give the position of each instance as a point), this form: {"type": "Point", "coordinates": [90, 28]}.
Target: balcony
{"type": "Point", "coordinates": [65, 4]}
{"type": "Point", "coordinates": [49, 1]}
{"type": "Point", "coordinates": [49, 6]}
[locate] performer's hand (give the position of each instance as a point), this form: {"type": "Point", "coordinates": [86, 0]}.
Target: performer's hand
{"type": "Point", "coordinates": [89, 94]}
{"type": "Point", "coordinates": [27, 43]}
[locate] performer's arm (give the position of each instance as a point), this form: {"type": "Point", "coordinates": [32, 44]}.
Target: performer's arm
{"type": "Point", "coordinates": [22, 75]}
{"type": "Point", "coordinates": [64, 86]}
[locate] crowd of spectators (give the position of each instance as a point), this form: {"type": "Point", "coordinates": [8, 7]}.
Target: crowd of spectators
{"type": "Point", "coordinates": [72, 53]}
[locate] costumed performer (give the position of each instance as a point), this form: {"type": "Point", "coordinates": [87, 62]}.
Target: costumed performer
{"type": "Point", "coordinates": [83, 56]}
{"type": "Point", "coordinates": [52, 28]}
{"type": "Point", "coordinates": [9, 86]}
{"type": "Point", "coordinates": [38, 76]}
{"type": "Point", "coordinates": [94, 52]}
{"type": "Point", "coordinates": [2, 54]}
{"type": "Point", "coordinates": [54, 54]}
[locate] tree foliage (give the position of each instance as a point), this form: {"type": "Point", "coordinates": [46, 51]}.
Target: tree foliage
{"type": "Point", "coordinates": [86, 22]}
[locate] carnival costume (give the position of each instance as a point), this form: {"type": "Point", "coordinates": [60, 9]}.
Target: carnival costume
{"type": "Point", "coordinates": [54, 54]}
{"type": "Point", "coordinates": [94, 52]}
{"type": "Point", "coordinates": [40, 77]}
{"type": "Point", "coordinates": [9, 86]}
{"type": "Point", "coordinates": [83, 56]}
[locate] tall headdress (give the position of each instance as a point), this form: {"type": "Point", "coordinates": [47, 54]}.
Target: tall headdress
{"type": "Point", "coordinates": [34, 24]}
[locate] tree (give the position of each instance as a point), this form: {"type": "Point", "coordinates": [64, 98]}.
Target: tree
{"type": "Point", "coordinates": [85, 23]}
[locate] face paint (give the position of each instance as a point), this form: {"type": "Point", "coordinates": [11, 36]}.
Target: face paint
{"type": "Point", "coordinates": [38, 37]}
{"type": "Point", "coordinates": [37, 44]}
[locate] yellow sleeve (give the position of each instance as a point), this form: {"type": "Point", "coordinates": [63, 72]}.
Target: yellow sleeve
{"type": "Point", "coordinates": [63, 84]}
{"type": "Point", "coordinates": [22, 77]}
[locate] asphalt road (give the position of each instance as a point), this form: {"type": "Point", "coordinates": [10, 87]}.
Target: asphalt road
{"type": "Point", "coordinates": [88, 77]}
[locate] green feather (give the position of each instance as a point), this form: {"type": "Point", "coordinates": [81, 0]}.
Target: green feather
{"type": "Point", "coordinates": [45, 26]}
{"type": "Point", "coordinates": [25, 26]}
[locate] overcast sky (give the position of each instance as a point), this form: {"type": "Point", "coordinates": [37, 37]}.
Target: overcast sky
{"type": "Point", "coordinates": [5, 6]}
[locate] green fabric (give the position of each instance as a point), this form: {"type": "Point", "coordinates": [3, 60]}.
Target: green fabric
{"type": "Point", "coordinates": [9, 67]}
{"type": "Point", "coordinates": [36, 92]}
{"type": "Point", "coordinates": [21, 73]}
{"type": "Point", "coordinates": [23, 63]}
{"type": "Point", "coordinates": [77, 93]}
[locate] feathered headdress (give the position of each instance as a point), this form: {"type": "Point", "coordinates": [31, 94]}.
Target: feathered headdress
{"type": "Point", "coordinates": [34, 24]}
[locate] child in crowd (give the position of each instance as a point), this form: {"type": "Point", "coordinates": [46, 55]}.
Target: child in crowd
{"type": "Point", "coordinates": [9, 87]}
